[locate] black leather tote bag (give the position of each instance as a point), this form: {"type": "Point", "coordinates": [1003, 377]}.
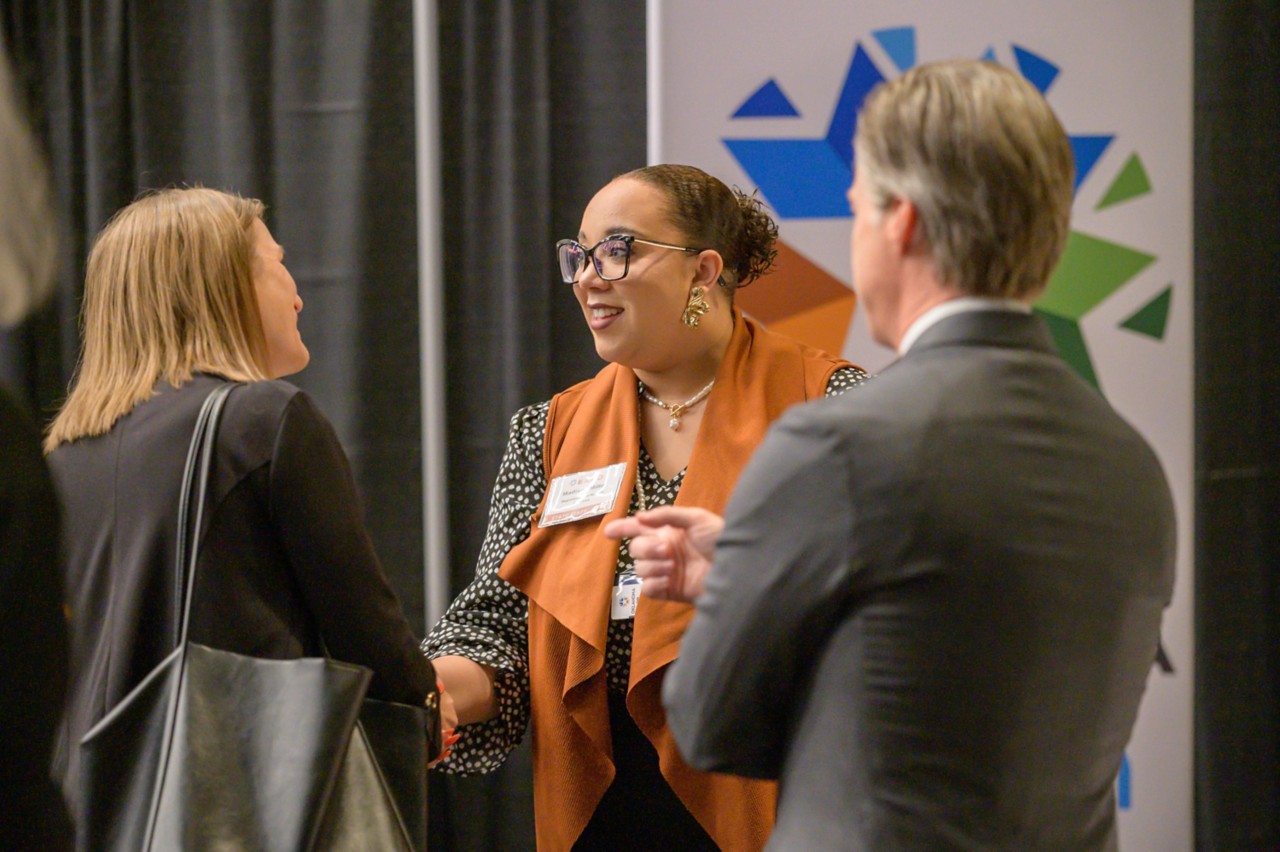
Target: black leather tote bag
{"type": "Point", "coordinates": [217, 750]}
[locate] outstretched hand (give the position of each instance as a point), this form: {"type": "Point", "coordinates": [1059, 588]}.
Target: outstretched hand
{"type": "Point", "coordinates": [448, 724]}
{"type": "Point", "coordinates": [672, 548]}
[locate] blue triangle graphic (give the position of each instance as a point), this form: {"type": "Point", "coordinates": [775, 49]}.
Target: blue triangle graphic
{"type": "Point", "coordinates": [900, 44]}
{"type": "Point", "coordinates": [808, 178]}
{"type": "Point", "coordinates": [863, 76]}
{"type": "Point", "coordinates": [1038, 70]}
{"type": "Point", "coordinates": [1087, 150]}
{"type": "Point", "coordinates": [768, 101]}
{"type": "Point", "coordinates": [989, 56]}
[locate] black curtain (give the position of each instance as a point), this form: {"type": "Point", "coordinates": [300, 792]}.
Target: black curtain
{"type": "Point", "coordinates": [307, 105]}
{"type": "Point", "coordinates": [541, 104]}
{"type": "Point", "coordinates": [1237, 354]}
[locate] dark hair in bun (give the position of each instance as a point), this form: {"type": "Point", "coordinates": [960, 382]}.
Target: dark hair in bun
{"type": "Point", "coordinates": [713, 216]}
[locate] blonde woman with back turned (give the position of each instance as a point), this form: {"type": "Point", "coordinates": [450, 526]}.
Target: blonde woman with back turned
{"type": "Point", "coordinates": [186, 289]}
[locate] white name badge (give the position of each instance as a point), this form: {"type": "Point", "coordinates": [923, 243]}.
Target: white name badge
{"type": "Point", "coordinates": [575, 496]}
{"type": "Point", "coordinates": [626, 597]}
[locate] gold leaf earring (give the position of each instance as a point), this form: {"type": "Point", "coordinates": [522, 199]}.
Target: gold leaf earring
{"type": "Point", "coordinates": [695, 309]}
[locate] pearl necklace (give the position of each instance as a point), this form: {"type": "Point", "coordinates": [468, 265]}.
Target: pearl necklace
{"type": "Point", "coordinates": [676, 410]}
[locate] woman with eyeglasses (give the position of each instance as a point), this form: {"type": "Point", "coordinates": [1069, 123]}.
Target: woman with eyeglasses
{"type": "Point", "coordinates": [553, 633]}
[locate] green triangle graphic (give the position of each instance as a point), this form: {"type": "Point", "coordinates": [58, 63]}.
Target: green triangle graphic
{"type": "Point", "coordinates": [1070, 342]}
{"type": "Point", "coordinates": [1130, 183]}
{"type": "Point", "coordinates": [1091, 270]}
{"type": "Point", "coordinates": [1152, 317]}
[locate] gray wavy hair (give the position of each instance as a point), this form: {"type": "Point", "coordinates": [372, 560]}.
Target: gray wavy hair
{"type": "Point", "coordinates": [983, 157]}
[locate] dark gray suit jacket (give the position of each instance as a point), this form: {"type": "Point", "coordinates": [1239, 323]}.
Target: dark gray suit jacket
{"type": "Point", "coordinates": [935, 605]}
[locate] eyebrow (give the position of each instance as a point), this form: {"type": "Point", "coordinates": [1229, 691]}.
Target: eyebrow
{"type": "Point", "coordinates": [611, 231]}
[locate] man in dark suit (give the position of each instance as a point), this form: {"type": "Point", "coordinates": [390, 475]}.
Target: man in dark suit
{"type": "Point", "coordinates": [935, 601]}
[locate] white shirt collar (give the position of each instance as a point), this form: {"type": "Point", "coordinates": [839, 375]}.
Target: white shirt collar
{"type": "Point", "coordinates": [951, 307]}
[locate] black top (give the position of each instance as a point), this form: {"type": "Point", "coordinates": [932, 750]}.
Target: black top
{"type": "Point", "coordinates": [284, 557]}
{"type": "Point", "coordinates": [33, 640]}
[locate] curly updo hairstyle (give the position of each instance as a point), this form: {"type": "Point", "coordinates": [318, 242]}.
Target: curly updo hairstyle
{"type": "Point", "coordinates": [713, 216]}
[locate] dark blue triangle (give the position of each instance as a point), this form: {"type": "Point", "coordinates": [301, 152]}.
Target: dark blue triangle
{"type": "Point", "coordinates": [768, 101]}
{"type": "Point", "coordinates": [1039, 71]}
{"type": "Point", "coordinates": [862, 78]}
{"type": "Point", "coordinates": [1087, 150]}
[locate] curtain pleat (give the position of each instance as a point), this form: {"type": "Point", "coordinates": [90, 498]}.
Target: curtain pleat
{"type": "Point", "coordinates": [1237, 355]}
{"type": "Point", "coordinates": [541, 103]}
{"type": "Point", "coordinates": [307, 105]}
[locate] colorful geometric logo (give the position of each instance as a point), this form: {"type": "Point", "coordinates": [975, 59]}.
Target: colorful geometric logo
{"type": "Point", "coordinates": [806, 178]}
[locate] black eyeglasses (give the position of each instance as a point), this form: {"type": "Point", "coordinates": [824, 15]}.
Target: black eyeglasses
{"type": "Point", "coordinates": [611, 256]}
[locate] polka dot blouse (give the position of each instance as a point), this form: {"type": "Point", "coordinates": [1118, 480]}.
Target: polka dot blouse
{"type": "Point", "coordinates": [488, 621]}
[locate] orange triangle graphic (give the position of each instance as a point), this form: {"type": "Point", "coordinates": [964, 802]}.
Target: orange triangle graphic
{"type": "Point", "coordinates": [798, 298]}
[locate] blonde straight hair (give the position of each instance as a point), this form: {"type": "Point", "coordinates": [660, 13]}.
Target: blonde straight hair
{"type": "Point", "coordinates": [168, 293]}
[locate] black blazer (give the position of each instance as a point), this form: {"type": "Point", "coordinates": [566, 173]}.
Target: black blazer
{"type": "Point", "coordinates": [935, 605]}
{"type": "Point", "coordinates": [284, 557]}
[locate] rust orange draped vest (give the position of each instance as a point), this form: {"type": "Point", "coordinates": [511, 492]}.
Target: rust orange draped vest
{"type": "Point", "coordinates": [567, 572]}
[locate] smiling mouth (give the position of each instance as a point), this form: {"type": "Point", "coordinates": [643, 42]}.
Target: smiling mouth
{"type": "Point", "coordinates": [603, 313]}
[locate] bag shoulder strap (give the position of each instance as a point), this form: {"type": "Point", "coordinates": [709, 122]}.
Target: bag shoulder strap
{"type": "Point", "coordinates": [199, 458]}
